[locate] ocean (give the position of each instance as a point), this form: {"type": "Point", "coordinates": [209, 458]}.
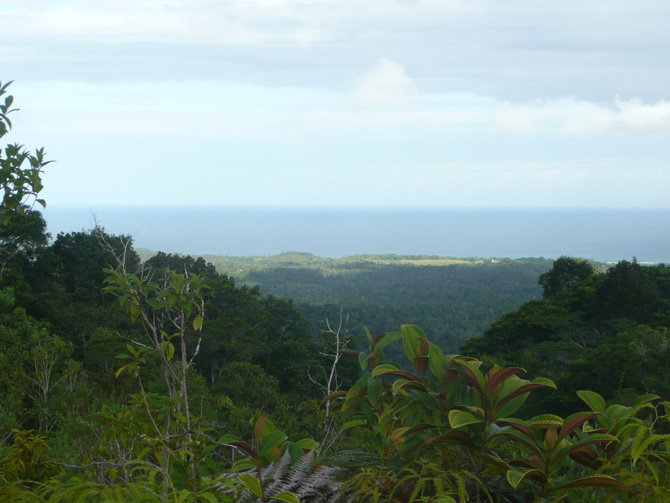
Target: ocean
{"type": "Point", "coordinates": [599, 234]}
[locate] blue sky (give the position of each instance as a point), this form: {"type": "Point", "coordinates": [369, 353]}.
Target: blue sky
{"type": "Point", "coordinates": [522, 103]}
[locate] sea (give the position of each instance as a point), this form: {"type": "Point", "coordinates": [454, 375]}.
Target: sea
{"type": "Point", "coordinates": [606, 235]}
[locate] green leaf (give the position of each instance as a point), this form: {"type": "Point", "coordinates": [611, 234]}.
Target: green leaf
{"type": "Point", "coordinates": [383, 369]}
{"type": "Point", "coordinates": [546, 421]}
{"type": "Point", "coordinates": [294, 450]}
{"type": "Point", "coordinates": [385, 340]}
{"type": "Point", "coordinates": [410, 337]}
{"type": "Point", "coordinates": [397, 385]}
{"type": "Point", "coordinates": [460, 418]}
{"type": "Point", "coordinates": [595, 402]}
{"type": "Point", "coordinates": [286, 496]}
{"type": "Point", "coordinates": [209, 497]}
{"type": "Point", "coordinates": [168, 350]}
{"type": "Point", "coordinates": [515, 477]}
{"type": "Point", "coordinates": [243, 464]}
{"type": "Point", "coordinates": [308, 444]}
{"type": "Point", "coordinates": [153, 303]}
{"type": "Point", "coordinates": [226, 439]}
{"type": "Point", "coordinates": [374, 389]}
{"type": "Point", "coordinates": [197, 322]}
{"type": "Point", "coordinates": [436, 361]}
{"type": "Point", "coordinates": [270, 441]}
{"type": "Point", "coordinates": [369, 337]}
{"type": "Point", "coordinates": [251, 483]}
{"type": "Point", "coordinates": [644, 400]}
{"type": "Point", "coordinates": [363, 360]}
{"type": "Point", "coordinates": [352, 424]}
{"type": "Point", "coordinates": [638, 450]}
{"type": "Point", "coordinates": [368, 414]}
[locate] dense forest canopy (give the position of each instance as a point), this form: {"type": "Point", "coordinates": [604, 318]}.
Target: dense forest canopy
{"type": "Point", "coordinates": [453, 299]}
{"type": "Point", "coordinates": [162, 380]}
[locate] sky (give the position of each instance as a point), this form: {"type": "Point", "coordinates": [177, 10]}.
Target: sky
{"type": "Point", "coordinates": [406, 103]}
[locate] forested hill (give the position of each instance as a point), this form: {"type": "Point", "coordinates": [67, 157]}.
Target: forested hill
{"type": "Point", "coordinates": [453, 299]}
{"type": "Point", "coordinates": [605, 331]}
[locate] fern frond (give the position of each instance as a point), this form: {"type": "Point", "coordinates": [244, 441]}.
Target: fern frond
{"type": "Point", "coordinates": [309, 483]}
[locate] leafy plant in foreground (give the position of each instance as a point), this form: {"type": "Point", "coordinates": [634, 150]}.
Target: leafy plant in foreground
{"type": "Point", "coordinates": [450, 414]}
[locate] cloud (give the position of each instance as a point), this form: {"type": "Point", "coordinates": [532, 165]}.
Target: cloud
{"type": "Point", "coordinates": [233, 22]}
{"type": "Point", "coordinates": [573, 117]}
{"type": "Point", "coordinates": [385, 85]}
{"type": "Point", "coordinates": [632, 116]}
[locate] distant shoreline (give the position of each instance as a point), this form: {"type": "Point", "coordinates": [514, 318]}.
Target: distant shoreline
{"type": "Point", "coordinates": [604, 235]}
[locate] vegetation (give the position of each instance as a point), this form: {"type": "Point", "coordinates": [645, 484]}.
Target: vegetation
{"type": "Point", "coordinates": [607, 329]}
{"type": "Point", "coordinates": [163, 381]}
{"type": "Point", "coordinates": [452, 299]}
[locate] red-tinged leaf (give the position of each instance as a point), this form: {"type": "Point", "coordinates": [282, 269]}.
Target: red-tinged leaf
{"type": "Point", "coordinates": [469, 374]}
{"type": "Point", "coordinates": [421, 364]}
{"type": "Point", "coordinates": [377, 339]}
{"type": "Point", "coordinates": [425, 343]}
{"type": "Point", "coordinates": [519, 425]}
{"type": "Point", "coordinates": [245, 447]}
{"type": "Point", "coordinates": [491, 460]}
{"type": "Point", "coordinates": [587, 457]}
{"type": "Point", "coordinates": [258, 427]}
{"type": "Point", "coordinates": [527, 388]}
{"type": "Point", "coordinates": [498, 377]}
{"type": "Point", "coordinates": [525, 463]}
{"type": "Point", "coordinates": [413, 385]}
{"type": "Point", "coordinates": [592, 440]}
{"type": "Point", "coordinates": [524, 440]}
{"type": "Point", "coordinates": [575, 421]}
{"type": "Point", "coordinates": [596, 481]}
{"type": "Point", "coordinates": [403, 374]}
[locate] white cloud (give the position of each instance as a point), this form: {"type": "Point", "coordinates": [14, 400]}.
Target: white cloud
{"type": "Point", "coordinates": [385, 85]}
{"type": "Point", "coordinates": [573, 117]}
{"type": "Point", "coordinates": [632, 116]}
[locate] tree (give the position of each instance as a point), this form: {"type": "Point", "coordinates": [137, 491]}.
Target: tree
{"type": "Point", "coordinates": [20, 182]}
{"type": "Point", "coordinates": [628, 291]}
{"type": "Point", "coordinates": [565, 272]}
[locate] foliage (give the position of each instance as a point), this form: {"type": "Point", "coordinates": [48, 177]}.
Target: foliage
{"type": "Point", "coordinates": [452, 415]}
{"type": "Point", "coordinates": [20, 171]}
{"type": "Point", "coordinates": [565, 272]}
{"type": "Point", "coordinates": [608, 330]}
{"type": "Point", "coordinates": [27, 459]}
